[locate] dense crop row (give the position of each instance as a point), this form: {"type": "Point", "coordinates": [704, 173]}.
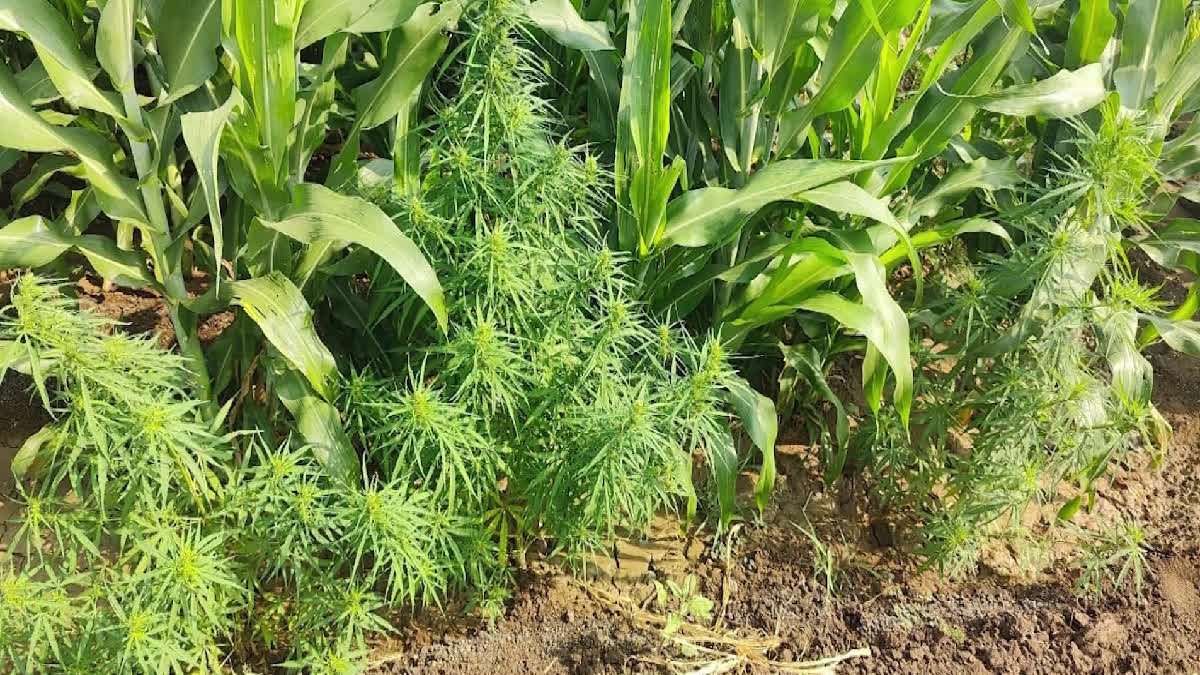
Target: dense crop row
{"type": "Point", "coordinates": [501, 275]}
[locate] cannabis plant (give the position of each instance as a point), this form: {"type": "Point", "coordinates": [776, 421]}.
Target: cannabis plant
{"type": "Point", "coordinates": [556, 407]}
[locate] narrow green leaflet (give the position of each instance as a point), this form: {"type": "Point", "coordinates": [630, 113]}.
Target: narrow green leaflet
{"type": "Point", "coordinates": [187, 33]}
{"type": "Point", "coordinates": [562, 22]}
{"type": "Point", "coordinates": [202, 133]}
{"type": "Point", "coordinates": [708, 216]}
{"type": "Point", "coordinates": [1091, 29]}
{"type": "Point", "coordinates": [1065, 94]}
{"type": "Point", "coordinates": [412, 52]}
{"type": "Point", "coordinates": [318, 214]}
{"type": "Point", "coordinates": [276, 305]}
{"type": "Point", "coordinates": [757, 413]}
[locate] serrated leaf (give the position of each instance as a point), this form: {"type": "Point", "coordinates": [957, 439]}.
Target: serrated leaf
{"type": "Point", "coordinates": [276, 305]}
{"type": "Point", "coordinates": [320, 214]}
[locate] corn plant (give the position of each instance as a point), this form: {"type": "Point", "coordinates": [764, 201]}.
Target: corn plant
{"type": "Point", "coordinates": [195, 139]}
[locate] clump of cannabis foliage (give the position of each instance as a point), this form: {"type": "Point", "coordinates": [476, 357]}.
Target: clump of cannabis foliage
{"type": "Point", "coordinates": [1031, 384]}
{"type": "Point", "coordinates": [554, 409]}
{"type": "Point", "coordinates": [151, 544]}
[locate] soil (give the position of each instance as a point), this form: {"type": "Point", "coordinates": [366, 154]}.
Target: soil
{"type": "Point", "coordinates": [910, 621]}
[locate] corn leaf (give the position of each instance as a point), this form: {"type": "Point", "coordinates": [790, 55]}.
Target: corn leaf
{"type": "Point", "coordinates": [320, 427]}
{"type": "Point", "coordinates": [322, 18]}
{"type": "Point", "coordinates": [561, 21]}
{"type": "Point", "coordinates": [1065, 94]}
{"type": "Point", "coordinates": [276, 305]}
{"type": "Point", "coordinates": [384, 15]}
{"type": "Point", "coordinates": [22, 128]}
{"type": "Point", "coordinates": [708, 216]}
{"type": "Point", "coordinates": [878, 317]}
{"type": "Point", "coordinates": [319, 214]}
{"type": "Point", "coordinates": [413, 50]}
{"type": "Point", "coordinates": [1091, 29]}
{"type": "Point", "coordinates": [187, 33]}
{"type": "Point", "coordinates": [1151, 38]}
{"type": "Point", "coordinates": [31, 242]}
{"type": "Point", "coordinates": [58, 49]}
{"type": "Point", "coordinates": [202, 133]}
{"type": "Point", "coordinates": [757, 413]}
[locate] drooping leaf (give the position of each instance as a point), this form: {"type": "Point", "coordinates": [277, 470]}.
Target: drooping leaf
{"type": "Point", "coordinates": [23, 129]}
{"type": "Point", "coordinates": [707, 216]}
{"type": "Point", "coordinates": [757, 413]}
{"type": "Point", "coordinates": [320, 214]}
{"type": "Point", "coordinates": [562, 22]}
{"type": "Point", "coordinates": [58, 49]}
{"type": "Point", "coordinates": [276, 305]}
{"type": "Point", "coordinates": [202, 133]}
{"type": "Point", "coordinates": [413, 50]}
{"type": "Point", "coordinates": [187, 33]}
{"type": "Point", "coordinates": [31, 242]}
{"type": "Point", "coordinates": [1065, 94]}
{"type": "Point", "coordinates": [25, 463]}
{"type": "Point", "coordinates": [320, 427]}
{"type": "Point", "coordinates": [879, 318]}
{"type": "Point", "coordinates": [1181, 335]}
